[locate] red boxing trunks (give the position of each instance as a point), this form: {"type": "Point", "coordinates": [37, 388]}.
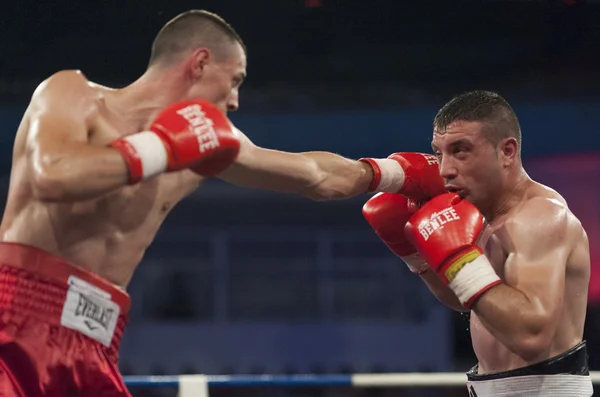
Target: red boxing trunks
{"type": "Point", "coordinates": [60, 327]}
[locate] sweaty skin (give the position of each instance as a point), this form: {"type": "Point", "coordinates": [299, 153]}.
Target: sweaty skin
{"type": "Point", "coordinates": [68, 192]}
{"type": "Point", "coordinates": [540, 248]}
{"type": "Point", "coordinates": [536, 245]}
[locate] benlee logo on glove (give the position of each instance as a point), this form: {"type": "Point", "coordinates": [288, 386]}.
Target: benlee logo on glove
{"type": "Point", "coordinates": [201, 126]}
{"type": "Point", "coordinates": [437, 221]}
{"type": "Point", "coordinates": [431, 159]}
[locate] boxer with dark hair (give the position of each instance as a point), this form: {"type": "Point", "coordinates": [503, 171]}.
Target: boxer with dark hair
{"type": "Point", "coordinates": [502, 246]}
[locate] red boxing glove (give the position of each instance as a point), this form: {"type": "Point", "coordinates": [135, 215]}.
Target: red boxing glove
{"type": "Point", "coordinates": [387, 213]}
{"type": "Point", "coordinates": [185, 134]}
{"type": "Point", "coordinates": [445, 232]}
{"type": "Point", "coordinates": [415, 175]}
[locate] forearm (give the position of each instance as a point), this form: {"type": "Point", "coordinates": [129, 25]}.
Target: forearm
{"type": "Point", "coordinates": [317, 175]}
{"type": "Point", "coordinates": [516, 321]}
{"type": "Point", "coordinates": [441, 291]}
{"type": "Point", "coordinates": [336, 177]}
{"type": "Point", "coordinates": [82, 174]}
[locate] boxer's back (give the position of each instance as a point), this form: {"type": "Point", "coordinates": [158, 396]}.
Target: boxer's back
{"type": "Point", "coordinates": [492, 354]}
{"type": "Point", "coordinates": [109, 234]}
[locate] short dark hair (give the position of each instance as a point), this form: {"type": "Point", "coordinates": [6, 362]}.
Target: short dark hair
{"type": "Point", "coordinates": [192, 29]}
{"type": "Point", "coordinates": [480, 105]}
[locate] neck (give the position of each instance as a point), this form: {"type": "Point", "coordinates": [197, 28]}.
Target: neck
{"type": "Point", "coordinates": [142, 100]}
{"type": "Point", "coordinates": [510, 195]}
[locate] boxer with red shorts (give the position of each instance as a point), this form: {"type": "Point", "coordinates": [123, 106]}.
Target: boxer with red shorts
{"type": "Point", "coordinates": [95, 172]}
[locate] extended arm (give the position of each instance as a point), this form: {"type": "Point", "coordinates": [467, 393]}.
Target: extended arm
{"type": "Point", "coordinates": [317, 175]}
{"type": "Point", "coordinates": [328, 176]}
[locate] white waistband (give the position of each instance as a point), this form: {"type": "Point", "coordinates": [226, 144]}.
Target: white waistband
{"type": "Point", "coordinates": [533, 386]}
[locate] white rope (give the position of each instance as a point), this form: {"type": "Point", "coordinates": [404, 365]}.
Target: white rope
{"type": "Point", "coordinates": [410, 379]}
{"type": "Point", "coordinates": [198, 385]}
{"type": "Point", "coordinates": [417, 379]}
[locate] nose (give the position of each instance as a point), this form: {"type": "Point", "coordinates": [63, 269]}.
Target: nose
{"type": "Point", "coordinates": [447, 169]}
{"type": "Point", "coordinates": [232, 107]}
{"type": "Point", "coordinates": [233, 103]}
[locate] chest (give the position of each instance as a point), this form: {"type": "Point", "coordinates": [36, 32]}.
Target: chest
{"type": "Point", "coordinates": [495, 247]}
{"type": "Point", "coordinates": [141, 205]}
{"type": "Point", "coordinates": [128, 209]}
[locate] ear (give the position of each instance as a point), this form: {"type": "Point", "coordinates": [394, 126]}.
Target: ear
{"type": "Point", "coordinates": [199, 59]}
{"type": "Point", "coordinates": [509, 149]}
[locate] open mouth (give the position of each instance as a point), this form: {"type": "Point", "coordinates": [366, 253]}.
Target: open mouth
{"type": "Point", "coordinates": [453, 189]}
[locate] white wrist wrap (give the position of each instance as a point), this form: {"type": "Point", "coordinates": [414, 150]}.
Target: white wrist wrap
{"type": "Point", "coordinates": [415, 263]}
{"type": "Point", "coordinates": [151, 151]}
{"type": "Point", "coordinates": [474, 279]}
{"type": "Point", "coordinates": [392, 175]}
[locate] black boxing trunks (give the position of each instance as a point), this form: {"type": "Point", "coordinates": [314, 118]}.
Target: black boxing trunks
{"type": "Point", "coordinates": [565, 375]}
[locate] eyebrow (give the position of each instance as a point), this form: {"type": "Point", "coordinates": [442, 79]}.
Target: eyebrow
{"type": "Point", "coordinates": [454, 144]}
{"type": "Point", "coordinates": [461, 142]}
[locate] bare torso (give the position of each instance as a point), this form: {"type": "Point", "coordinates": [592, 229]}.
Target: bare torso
{"type": "Point", "coordinates": [108, 235]}
{"type": "Point", "coordinates": [492, 355]}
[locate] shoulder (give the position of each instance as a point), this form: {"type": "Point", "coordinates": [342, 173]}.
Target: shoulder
{"type": "Point", "coordinates": [542, 222]}
{"type": "Point", "coordinates": [66, 88]}
{"type": "Point", "coordinates": [543, 207]}
{"type": "Point", "coordinates": [74, 80]}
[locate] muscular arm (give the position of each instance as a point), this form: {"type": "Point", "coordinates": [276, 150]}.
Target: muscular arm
{"type": "Point", "coordinates": [317, 175]}
{"type": "Point", "coordinates": [62, 164]}
{"type": "Point", "coordinates": [523, 313]}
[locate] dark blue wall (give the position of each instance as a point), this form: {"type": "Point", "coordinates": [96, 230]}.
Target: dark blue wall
{"type": "Point", "coordinates": [549, 128]}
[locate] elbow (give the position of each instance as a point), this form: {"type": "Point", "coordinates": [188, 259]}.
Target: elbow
{"type": "Point", "coordinates": [531, 348]}
{"type": "Point", "coordinates": [533, 343]}
{"type": "Point", "coordinates": [317, 188]}
{"type": "Point", "coordinates": [330, 183]}
{"type": "Point", "coordinates": [47, 186]}
{"type": "Point", "coordinates": [317, 194]}
{"type": "Point", "coordinates": [535, 335]}
{"type": "Point", "coordinates": [323, 189]}
{"type": "Point", "coordinates": [320, 193]}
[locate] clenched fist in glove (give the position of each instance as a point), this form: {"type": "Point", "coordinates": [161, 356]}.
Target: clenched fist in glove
{"type": "Point", "coordinates": [387, 213]}
{"type": "Point", "coordinates": [191, 134]}
{"type": "Point", "coordinates": [445, 232]}
{"type": "Point", "coordinates": [415, 175]}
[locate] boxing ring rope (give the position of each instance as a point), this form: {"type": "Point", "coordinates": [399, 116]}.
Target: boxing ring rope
{"type": "Point", "coordinates": [199, 385]}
